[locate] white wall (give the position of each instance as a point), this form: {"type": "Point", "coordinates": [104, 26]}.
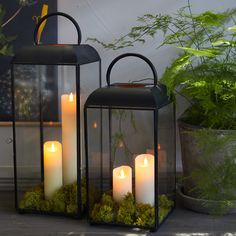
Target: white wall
{"type": "Point", "coordinates": [107, 20]}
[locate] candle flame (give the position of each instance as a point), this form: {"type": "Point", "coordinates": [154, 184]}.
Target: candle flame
{"type": "Point", "coordinates": [71, 97]}
{"type": "Point", "coordinates": [121, 145]}
{"type": "Point", "coordinates": [53, 149]}
{"type": "Point", "coordinates": [145, 162]}
{"type": "Point", "coordinates": [159, 146]}
{"type": "Point", "coordinates": [95, 125]}
{"type": "Point", "coordinates": [122, 174]}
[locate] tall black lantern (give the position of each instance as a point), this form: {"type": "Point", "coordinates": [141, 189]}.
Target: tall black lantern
{"type": "Point", "coordinates": [130, 153]}
{"type": "Point", "coordinates": [50, 84]}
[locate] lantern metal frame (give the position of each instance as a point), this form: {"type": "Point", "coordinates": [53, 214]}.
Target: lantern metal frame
{"type": "Point", "coordinates": [54, 55]}
{"type": "Point", "coordinates": [147, 97]}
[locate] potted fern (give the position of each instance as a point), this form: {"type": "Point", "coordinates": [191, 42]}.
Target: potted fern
{"type": "Point", "coordinates": [205, 74]}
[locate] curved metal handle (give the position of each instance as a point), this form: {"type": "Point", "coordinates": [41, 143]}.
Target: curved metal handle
{"type": "Point", "coordinates": [57, 14]}
{"type": "Point", "coordinates": [108, 75]}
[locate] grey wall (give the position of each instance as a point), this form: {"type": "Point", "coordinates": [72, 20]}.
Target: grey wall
{"type": "Point", "coordinates": [107, 20]}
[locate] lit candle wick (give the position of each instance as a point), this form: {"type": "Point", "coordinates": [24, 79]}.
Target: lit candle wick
{"type": "Point", "coordinates": [71, 97]}
{"type": "Point", "coordinates": [53, 149]}
{"type": "Point", "coordinates": [145, 162]}
{"type": "Point", "coordinates": [122, 174]}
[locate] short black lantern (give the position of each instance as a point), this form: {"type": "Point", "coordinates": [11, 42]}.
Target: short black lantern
{"type": "Point", "coordinates": [130, 153]}
{"type": "Point", "coordinates": [50, 84]}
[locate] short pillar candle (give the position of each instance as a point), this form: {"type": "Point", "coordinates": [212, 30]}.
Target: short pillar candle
{"type": "Point", "coordinates": [52, 168]}
{"type": "Point", "coordinates": [122, 182]}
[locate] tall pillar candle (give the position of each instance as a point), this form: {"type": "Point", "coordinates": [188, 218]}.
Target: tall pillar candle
{"type": "Point", "coordinates": [144, 179]}
{"type": "Point", "coordinates": [52, 152]}
{"type": "Point", "coordinates": [122, 182]}
{"type": "Point", "coordinates": [69, 139]}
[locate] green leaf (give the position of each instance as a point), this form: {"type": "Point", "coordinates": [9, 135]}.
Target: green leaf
{"type": "Point", "coordinates": [232, 28]}
{"type": "Point", "coordinates": [201, 52]}
{"type": "Point", "coordinates": [223, 42]}
{"type": "Point", "coordinates": [210, 18]}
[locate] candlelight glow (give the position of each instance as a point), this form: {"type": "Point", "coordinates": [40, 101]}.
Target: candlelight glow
{"type": "Point", "coordinates": [71, 97]}
{"type": "Point", "coordinates": [53, 149]}
{"type": "Point", "coordinates": [121, 144]}
{"type": "Point", "coordinates": [159, 146]}
{"type": "Point", "coordinates": [122, 174]}
{"type": "Point", "coordinates": [145, 162]}
{"type": "Point", "coordinates": [95, 125]}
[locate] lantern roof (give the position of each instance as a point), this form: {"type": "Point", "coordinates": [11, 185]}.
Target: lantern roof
{"type": "Point", "coordinates": [56, 54]}
{"type": "Point", "coordinates": [131, 96]}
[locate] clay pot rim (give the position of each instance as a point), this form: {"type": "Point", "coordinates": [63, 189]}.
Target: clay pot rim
{"type": "Point", "coordinates": [184, 124]}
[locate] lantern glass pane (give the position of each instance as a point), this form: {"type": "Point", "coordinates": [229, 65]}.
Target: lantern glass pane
{"type": "Point", "coordinates": [166, 158]}
{"type": "Point", "coordinates": [27, 128]}
{"type": "Point", "coordinates": [120, 162]}
{"type": "Point", "coordinates": [49, 135]}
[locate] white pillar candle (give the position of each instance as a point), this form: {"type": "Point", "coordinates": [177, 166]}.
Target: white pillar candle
{"type": "Point", "coordinates": [52, 167]}
{"type": "Point", "coordinates": [144, 179]}
{"type": "Point", "coordinates": [122, 182]}
{"type": "Point", "coordinates": [69, 139]}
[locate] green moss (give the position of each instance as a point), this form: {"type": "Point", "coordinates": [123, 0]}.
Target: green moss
{"type": "Point", "coordinates": [104, 211]}
{"type": "Point", "coordinates": [63, 200]}
{"type": "Point", "coordinates": [71, 209]}
{"type": "Point", "coordinates": [128, 212]}
{"type": "Point", "coordinates": [144, 215]}
{"type": "Point", "coordinates": [32, 199]}
{"type": "Point", "coordinates": [46, 205]}
{"type": "Point", "coordinates": [165, 206]}
{"type": "Point", "coordinates": [59, 200]}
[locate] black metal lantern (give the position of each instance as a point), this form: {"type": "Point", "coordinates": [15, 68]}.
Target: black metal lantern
{"type": "Point", "coordinates": [130, 153]}
{"type": "Point", "coordinates": [50, 84]}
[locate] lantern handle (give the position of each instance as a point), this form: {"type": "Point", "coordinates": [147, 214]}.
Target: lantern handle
{"type": "Point", "coordinates": [108, 75]}
{"type": "Point", "coordinates": [57, 14]}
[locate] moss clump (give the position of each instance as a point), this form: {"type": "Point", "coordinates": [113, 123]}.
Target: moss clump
{"type": "Point", "coordinates": [46, 205]}
{"type": "Point", "coordinates": [63, 200]}
{"type": "Point", "coordinates": [165, 206]}
{"type": "Point", "coordinates": [104, 211]}
{"type": "Point", "coordinates": [145, 215]}
{"type": "Point", "coordinates": [128, 212]}
{"type": "Point", "coordinates": [33, 199]}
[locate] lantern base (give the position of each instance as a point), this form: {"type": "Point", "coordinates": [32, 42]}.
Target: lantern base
{"type": "Point", "coordinates": [63, 201]}
{"type": "Point", "coordinates": [128, 212]}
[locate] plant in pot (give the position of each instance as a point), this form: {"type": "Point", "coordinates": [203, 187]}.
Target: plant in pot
{"type": "Point", "coordinates": [205, 74]}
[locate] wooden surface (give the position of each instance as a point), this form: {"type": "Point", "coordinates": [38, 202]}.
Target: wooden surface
{"type": "Point", "coordinates": [181, 223]}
